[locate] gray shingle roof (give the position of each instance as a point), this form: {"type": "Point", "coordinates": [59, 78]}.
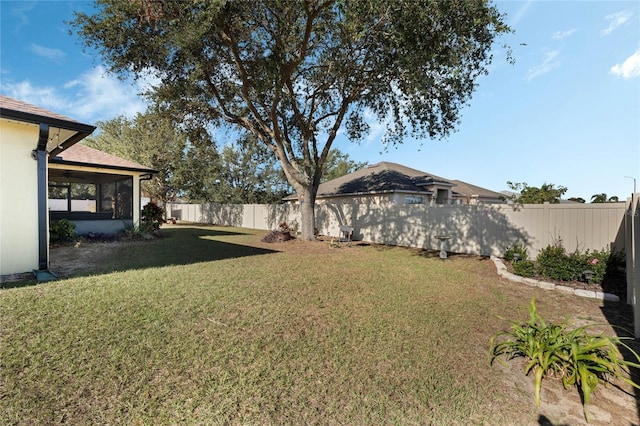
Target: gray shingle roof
{"type": "Point", "coordinates": [468, 190]}
{"type": "Point", "coordinates": [381, 177]}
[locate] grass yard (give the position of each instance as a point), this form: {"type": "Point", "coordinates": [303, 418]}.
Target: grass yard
{"type": "Point", "coordinates": [210, 326]}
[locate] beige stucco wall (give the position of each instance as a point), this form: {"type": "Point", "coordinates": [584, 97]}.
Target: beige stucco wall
{"type": "Point", "coordinates": [18, 198]}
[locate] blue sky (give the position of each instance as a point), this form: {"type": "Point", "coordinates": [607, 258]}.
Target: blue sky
{"type": "Point", "coordinates": [567, 112]}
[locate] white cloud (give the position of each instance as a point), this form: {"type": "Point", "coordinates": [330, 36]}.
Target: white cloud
{"type": "Point", "coordinates": [520, 13]}
{"type": "Point", "coordinates": [95, 95]}
{"type": "Point", "coordinates": [630, 68]}
{"type": "Point", "coordinates": [549, 63]}
{"type": "Point", "coordinates": [559, 35]}
{"type": "Point", "coordinates": [47, 52]}
{"type": "Point", "coordinates": [99, 94]}
{"type": "Point", "coordinates": [616, 20]}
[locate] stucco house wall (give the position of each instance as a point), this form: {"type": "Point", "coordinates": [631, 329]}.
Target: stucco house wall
{"type": "Point", "coordinates": [18, 197]}
{"type": "Point", "coordinates": [39, 153]}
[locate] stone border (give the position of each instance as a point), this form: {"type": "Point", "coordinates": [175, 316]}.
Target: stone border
{"type": "Point", "coordinates": [502, 271]}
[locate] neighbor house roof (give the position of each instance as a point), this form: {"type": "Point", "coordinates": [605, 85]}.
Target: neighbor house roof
{"type": "Point", "coordinates": [63, 131]}
{"type": "Point", "coordinates": [378, 178]}
{"type": "Point", "coordinates": [82, 155]}
{"type": "Point", "coordinates": [468, 190]}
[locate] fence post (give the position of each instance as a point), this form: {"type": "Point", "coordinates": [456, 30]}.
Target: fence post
{"type": "Point", "coordinates": [632, 251]}
{"type": "Point", "coordinates": [546, 223]}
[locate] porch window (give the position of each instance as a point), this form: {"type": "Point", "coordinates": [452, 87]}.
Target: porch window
{"type": "Point", "coordinates": [104, 200]}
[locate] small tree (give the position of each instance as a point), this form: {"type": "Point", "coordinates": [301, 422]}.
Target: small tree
{"type": "Point", "coordinates": [154, 140]}
{"type": "Point", "coordinates": [532, 195]}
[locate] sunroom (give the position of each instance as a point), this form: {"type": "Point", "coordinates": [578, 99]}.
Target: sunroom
{"type": "Point", "coordinates": [98, 192]}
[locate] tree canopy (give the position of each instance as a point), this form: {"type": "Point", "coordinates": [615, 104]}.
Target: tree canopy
{"type": "Point", "coordinates": [237, 172]}
{"type": "Point", "coordinates": [547, 193]}
{"type": "Point", "coordinates": [602, 198]}
{"type": "Point", "coordinates": [294, 73]}
{"type": "Point", "coordinates": [339, 164]}
{"type": "Point", "coordinates": [151, 139]}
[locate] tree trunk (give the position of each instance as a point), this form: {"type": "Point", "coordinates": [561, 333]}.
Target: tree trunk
{"type": "Point", "coordinates": [307, 200]}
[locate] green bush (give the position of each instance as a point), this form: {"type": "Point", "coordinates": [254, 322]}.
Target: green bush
{"type": "Point", "coordinates": [555, 263]}
{"type": "Point", "coordinates": [62, 230]}
{"type": "Point", "coordinates": [152, 217]}
{"type": "Point", "coordinates": [524, 268]}
{"type": "Point", "coordinates": [580, 358]}
{"type": "Point", "coordinates": [520, 249]}
{"type": "Point", "coordinates": [601, 263]}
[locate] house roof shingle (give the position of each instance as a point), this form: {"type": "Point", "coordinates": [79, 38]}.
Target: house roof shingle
{"type": "Point", "coordinates": [381, 177]}
{"type": "Point", "coordinates": [10, 104]}
{"type": "Point", "coordinates": [83, 155]}
{"type": "Point", "coordinates": [391, 177]}
{"type": "Point", "coordinates": [469, 190]}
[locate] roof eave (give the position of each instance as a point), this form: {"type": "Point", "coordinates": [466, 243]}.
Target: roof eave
{"type": "Point", "coordinates": [101, 166]}
{"type": "Point", "coordinates": [51, 121]}
{"type": "Point", "coordinates": [82, 130]}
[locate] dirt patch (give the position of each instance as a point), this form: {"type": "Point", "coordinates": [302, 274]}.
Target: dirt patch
{"type": "Point", "coordinates": [81, 257]}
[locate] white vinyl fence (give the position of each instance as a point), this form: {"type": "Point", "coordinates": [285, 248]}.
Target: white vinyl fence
{"type": "Point", "coordinates": [487, 229]}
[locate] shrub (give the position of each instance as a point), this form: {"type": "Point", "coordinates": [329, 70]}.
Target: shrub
{"type": "Point", "coordinates": [62, 230]}
{"type": "Point", "coordinates": [520, 249]}
{"type": "Point", "coordinates": [555, 263]}
{"type": "Point", "coordinates": [524, 268]}
{"type": "Point", "coordinates": [152, 216]}
{"type": "Point", "coordinates": [601, 263]}
{"type": "Point", "coordinates": [579, 358]}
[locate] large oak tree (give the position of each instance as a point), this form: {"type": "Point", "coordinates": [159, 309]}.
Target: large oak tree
{"type": "Point", "coordinates": [295, 72]}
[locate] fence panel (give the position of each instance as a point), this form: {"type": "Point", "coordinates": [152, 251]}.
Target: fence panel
{"type": "Point", "coordinates": [475, 229]}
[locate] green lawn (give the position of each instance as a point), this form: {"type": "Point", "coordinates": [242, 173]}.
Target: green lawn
{"type": "Point", "coordinates": [205, 327]}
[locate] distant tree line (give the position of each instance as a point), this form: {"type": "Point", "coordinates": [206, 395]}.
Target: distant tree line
{"type": "Point", "coordinates": [193, 167]}
{"type": "Point", "coordinates": [549, 193]}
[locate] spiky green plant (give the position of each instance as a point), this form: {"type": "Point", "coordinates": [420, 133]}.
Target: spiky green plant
{"type": "Point", "coordinates": [579, 358]}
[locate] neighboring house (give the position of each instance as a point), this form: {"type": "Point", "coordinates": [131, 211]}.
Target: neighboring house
{"type": "Point", "coordinates": [33, 145]}
{"type": "Point", "coordinates": [466, 193]}
{"type": "Point", "coordinates": [387, 182]}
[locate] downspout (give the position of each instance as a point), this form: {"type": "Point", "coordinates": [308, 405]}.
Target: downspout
{"type": "Point", "coordinates": [40, 154]}
{"type": "Point", "coordinates": [146, 176]}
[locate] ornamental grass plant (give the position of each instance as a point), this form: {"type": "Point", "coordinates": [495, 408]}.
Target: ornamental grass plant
{"type": "Point", "coordinates": [578, 358]}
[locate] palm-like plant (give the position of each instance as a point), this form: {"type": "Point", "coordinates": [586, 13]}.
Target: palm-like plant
{"type": "Point", "coordinates": [579, 358]}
